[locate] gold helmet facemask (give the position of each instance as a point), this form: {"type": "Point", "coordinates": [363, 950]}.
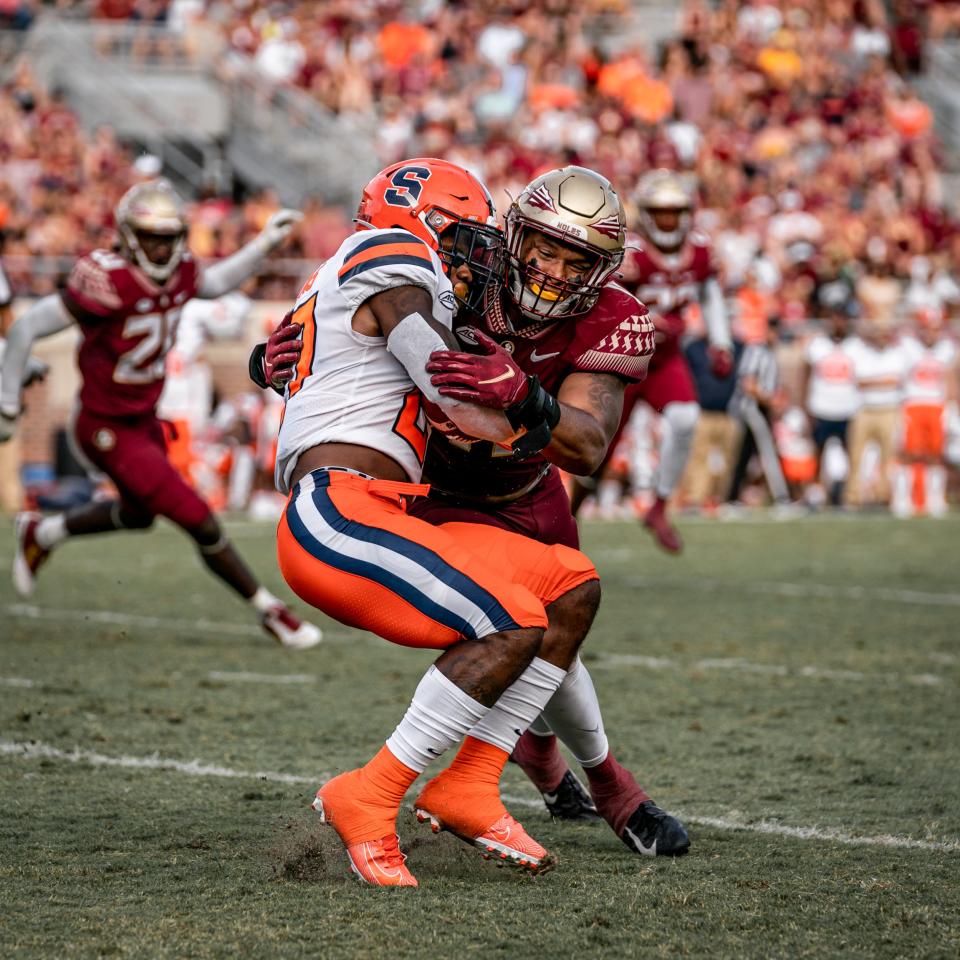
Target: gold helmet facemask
{"type": "Point", "coordinates": [580, 209]}
{"type": "Point", "coordinates": [152, 208]}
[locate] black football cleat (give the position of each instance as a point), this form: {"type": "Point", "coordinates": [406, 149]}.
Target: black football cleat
{"type": "Point", "coordinates": [655, 833]}
{"type": "Point", "coordinates": [570, 801]}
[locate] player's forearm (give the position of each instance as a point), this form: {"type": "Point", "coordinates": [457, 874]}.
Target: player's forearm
{"type": "Point", "coordinates": [715, 315]}
{"type": "Point", "coordinates": [578, 443]}
{"type": "Point", "coordinates": [44, 318]}
{"type": "Point", "coordinates": [228, 274]}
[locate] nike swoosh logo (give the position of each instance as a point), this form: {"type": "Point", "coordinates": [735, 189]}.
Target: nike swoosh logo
{"type": "Point", "coordinates": [537, 357]}
{"type": "Point", "coordinates": [506, 375]}
{"type": "Point", "coordinates": [650, 851]}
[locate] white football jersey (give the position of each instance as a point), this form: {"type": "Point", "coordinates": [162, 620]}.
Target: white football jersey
{"type": "Point", "coordinates": [930, 368]}
{"type": "Point", "coordinates": [348, 388]}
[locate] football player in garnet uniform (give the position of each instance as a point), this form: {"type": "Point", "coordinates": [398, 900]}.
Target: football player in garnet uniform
{"type": "Point", "coordinates": [561, 338]}
{"type": "Point", "coordinates": [671, 270]}
{"type": "Point", "coordinates": [127, 303]}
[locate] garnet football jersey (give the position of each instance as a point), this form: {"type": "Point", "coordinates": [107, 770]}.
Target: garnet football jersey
{"type": "Point", "coordinates": [128, 324]}
{"type": "Point", "coordinates": [615, 337]}
{"type": "Point", "coordinates": [669, 283]}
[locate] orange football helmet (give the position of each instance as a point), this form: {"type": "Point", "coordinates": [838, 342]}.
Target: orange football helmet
{"type": "Point", "coordinates": [450, 210]}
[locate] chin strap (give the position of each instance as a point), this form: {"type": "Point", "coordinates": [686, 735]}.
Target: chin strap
{"type": "Point", "coordinates": [536, 415]}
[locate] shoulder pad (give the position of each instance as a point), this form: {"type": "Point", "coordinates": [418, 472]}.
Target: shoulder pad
{"type": "Point", "coordinates": [91, 284]}
{"type": "Point", "coordinates": [624, 336]}
{"type": "Point", "coordinates": [380, 259]}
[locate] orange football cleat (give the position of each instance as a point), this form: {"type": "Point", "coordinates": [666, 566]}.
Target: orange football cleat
{"type": "Point", "coordinates": [503, 840]}
{"type": "Point", "coordinates": [376, 860]}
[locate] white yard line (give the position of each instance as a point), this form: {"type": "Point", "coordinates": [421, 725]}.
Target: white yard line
{"type": "Point", "coordinates": [33, 750]}
{"type": "Point", "coordinates": [738, 665]}
{"type": "Point", "coordinates": [820, 591]}
{"type": "Point", "coordinates": [16, 682]}
{"type": "Point", "coordinates": [118, 618]}
{"type": "Point", "coordinates": [243, 676]}
{"type": "Point", "coordinates": [40, 751]}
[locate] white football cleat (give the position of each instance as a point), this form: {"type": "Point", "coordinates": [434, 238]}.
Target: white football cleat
{"type": "Point", "coordinates": [289, 630]}
{"type": "Point", "coordinates": [29, 555]}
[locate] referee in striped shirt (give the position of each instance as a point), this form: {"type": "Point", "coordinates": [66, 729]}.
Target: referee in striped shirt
{"type": "Point", "coordinates": [757, 379]}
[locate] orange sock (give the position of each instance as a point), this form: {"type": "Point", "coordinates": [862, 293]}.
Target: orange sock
{"type": "Point", "coordinates": [478, 762]}
{"type": "Point", "coordinates": [387, 778]}
{"type": "Point", "coordinates": [467, 793]}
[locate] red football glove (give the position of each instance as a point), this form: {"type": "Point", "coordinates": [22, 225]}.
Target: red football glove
{"type": "Point", "coordinates": [669, 327]}
{"type": "Point", "coordinates": [282, 352]}
{"type": "Point", "coordinates": [721, 361]}
{"type": "Point", "coordinates": [489, 378]}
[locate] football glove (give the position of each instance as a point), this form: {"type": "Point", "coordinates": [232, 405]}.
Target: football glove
{"type": "Point", "coordinates": [279, 227]}
{"type": "Point", "coordinates": [273, 364]}
{"type": "Point", "coordinates": [489, 378]}
{"type": "Point", "coordinates": [721, 361]}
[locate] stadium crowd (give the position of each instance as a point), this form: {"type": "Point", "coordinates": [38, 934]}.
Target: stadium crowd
{"type": "Point", "coordinates": [817, 173]}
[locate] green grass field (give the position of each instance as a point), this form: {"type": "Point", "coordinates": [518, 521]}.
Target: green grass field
{"type": "Point", "coordinates": [789, 688]}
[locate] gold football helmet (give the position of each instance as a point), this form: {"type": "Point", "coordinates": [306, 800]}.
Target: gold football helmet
{"type": "Point", "coordinates": [578, 208]}
{"type": "Point", "coordinates": [152, 228]}
{"type": "Point", "coordinates": [665, 208]}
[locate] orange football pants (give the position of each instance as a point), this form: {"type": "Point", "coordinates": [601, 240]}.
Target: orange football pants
{"type": "Point", "coordinates": [923, 433]}
{"type": "Point", "coordinates": [346, 545]}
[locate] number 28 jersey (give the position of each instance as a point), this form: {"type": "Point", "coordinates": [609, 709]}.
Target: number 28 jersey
{"type": "Point", "coordinates": [128, 324]}
{"type": "Point", "coordinates": [348, 388]}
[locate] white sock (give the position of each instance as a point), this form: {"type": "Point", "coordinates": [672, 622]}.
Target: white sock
{"type": "Point", "coordinates": [51, 531]}
{"type": "Point", "coordinates": [263, 600]}
{"type": "Point", "coordinates": [437, 718]}
{"type": "Point", "coordinates": [574, 715]}
{"type": "Point", "coordinates": [540, 728]}
{"type": "Point", "coordinates": [902, 502]}
{"type": "Point", "coordinates": [677, 427]}
{"type": "Point", "coordinates": [519, 705]}
{"type": "Point", "coordinates": [936, 490]}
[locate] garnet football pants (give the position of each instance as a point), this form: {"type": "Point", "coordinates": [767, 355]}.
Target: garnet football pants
{"type": "Point", "coordinates": [346, 546]}
{"type": "Point", "coordinates": [543, 514]}
{"type": "Point", "coordinates": [132, 452]}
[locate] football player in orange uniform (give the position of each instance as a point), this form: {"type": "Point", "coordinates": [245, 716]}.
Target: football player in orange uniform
{"type": "Point", "coordinates": [350, 454]}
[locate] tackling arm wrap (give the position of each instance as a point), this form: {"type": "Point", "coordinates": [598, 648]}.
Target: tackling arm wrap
{"type": "Point", "coordinates": [46, 317]}
{"type": "Point", "coordinates": [412, 341]}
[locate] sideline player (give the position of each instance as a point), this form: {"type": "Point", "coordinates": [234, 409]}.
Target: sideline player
{"type": "Point", "coordinates": [560, 326]}
{"type": "Point", "coordinates": [920, 480]}
{"type": "Point", "coordinates": [127, 303]}
{"type": "Point", "coordinates": [671, 270]}
{"type": "Point", "coordinates": [350, 455]}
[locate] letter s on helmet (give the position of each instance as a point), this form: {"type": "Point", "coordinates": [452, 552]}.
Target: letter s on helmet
{"type": "Point", "coordinates": [448, 208]}
{"type": "Point", "coordinates": [580, 208]}
{"type": "Point", "coordinates": [154, 208]}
